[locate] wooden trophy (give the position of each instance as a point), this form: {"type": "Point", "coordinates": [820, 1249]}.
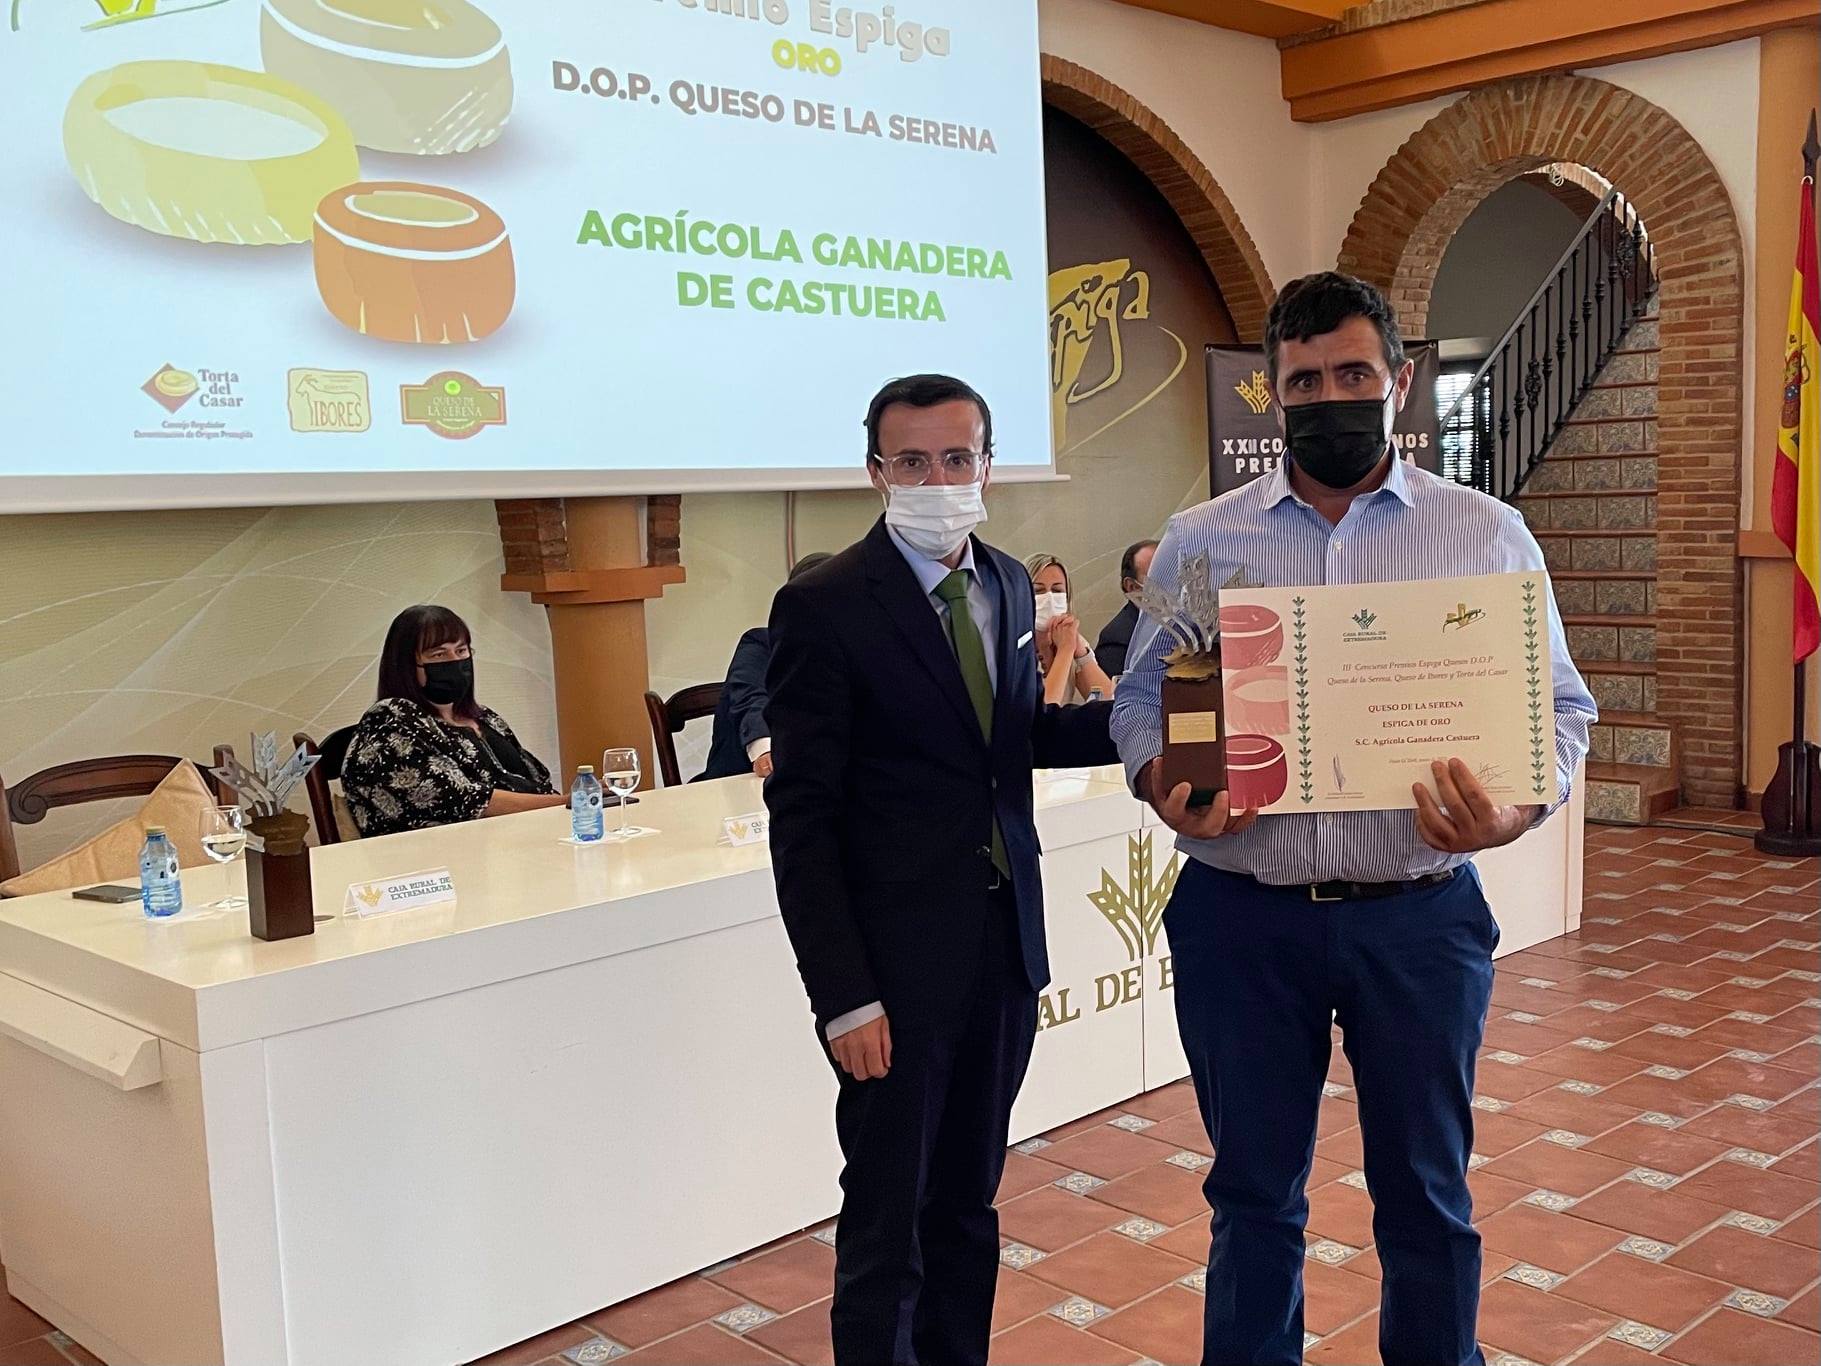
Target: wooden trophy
{"type": "Point", "coordinates": [280, 904]}
{"type": "Point", "coordinates": [1194, 727]}
{"type": "Point", "coordinates": [1194, 715]}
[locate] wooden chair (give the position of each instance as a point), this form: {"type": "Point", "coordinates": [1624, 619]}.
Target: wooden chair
{"type": "Point", "coordinates": [86, 780]}
{"type": "Point", "coordinates": [334, 751]}
{"type": "Point", "coordinates": [669, 717]}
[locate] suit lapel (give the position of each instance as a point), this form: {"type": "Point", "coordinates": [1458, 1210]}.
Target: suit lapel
{"type": "Point", "coordinates": [1010, 624]}
{"type": "Point", "coordinates": [901, 597]}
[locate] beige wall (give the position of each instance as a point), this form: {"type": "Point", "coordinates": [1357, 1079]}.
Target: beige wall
{"type": "Point", "coordinates": [172, 632]}
{"type": "Point", "coordinates": [1498, 259]}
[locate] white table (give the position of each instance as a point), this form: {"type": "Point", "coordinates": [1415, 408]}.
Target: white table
{"type": "Point", "coordinates": [419, 1138]}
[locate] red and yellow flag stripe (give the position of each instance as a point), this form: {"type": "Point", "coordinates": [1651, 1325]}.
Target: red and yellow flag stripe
{"type": "Point", "coordinates": [1795, 499]}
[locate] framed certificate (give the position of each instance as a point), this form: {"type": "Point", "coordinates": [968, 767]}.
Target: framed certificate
{"type": "Point", "coordinates": [1338, 698]}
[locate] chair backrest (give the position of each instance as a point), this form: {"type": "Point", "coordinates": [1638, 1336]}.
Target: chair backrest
{"type": "Point", "coordinates": [334, 752]}
{"type": "Point", "coordinates": [85, 780]}
{"type": "Point", "coordinates": [668, 717]}
{"type": "Point", "coordinates": [316, 787]}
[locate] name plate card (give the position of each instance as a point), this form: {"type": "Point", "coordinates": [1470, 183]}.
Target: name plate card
{"type": "Point", "coordinates": [432, 888]}
{"type": "Point", "coordinates": [752, 828]}
{"type": "Point", "coordinates": [1339, 698]}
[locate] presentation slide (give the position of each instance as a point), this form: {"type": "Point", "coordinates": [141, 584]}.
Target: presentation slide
{"type": "Point", "coordinates": [324, 250]}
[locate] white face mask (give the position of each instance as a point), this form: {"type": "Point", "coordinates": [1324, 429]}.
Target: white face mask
{"type": "Point", "coordinates": [1051, 605]}
{"type": "Point", "coordinates": [935, 519]}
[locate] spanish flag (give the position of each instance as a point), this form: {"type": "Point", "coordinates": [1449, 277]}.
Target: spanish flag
{"type": "Point", "coordinates": [1795, 499]}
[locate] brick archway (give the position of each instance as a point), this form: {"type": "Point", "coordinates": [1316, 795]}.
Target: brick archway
{"type": "Point", "coordinates": [1397, 238]}
{"type": "Point", "coordinates": [1180, 177]}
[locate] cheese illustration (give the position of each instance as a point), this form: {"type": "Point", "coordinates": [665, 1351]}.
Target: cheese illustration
{"type": "Point", "coordinates": [212, 153]}
{"type": "Point", "coordinates": [421, 76]}
{"type": "Point", "coordinates": [413, 263]}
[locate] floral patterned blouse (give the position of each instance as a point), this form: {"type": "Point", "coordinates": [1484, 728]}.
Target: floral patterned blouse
{"type": "Point", "coordinates": [407, 769]}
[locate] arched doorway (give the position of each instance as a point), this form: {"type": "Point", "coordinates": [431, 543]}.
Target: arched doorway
{"type": "Point", "coordinates": [1179, 175]}
{"type": "Point", "coordinates": [1397, 239]}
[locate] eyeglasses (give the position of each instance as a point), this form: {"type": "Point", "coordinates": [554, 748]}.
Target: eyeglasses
{"type": "Point", "coordinates": [446, 654]}
{"type": "Point", "coordinates": [958, 467]}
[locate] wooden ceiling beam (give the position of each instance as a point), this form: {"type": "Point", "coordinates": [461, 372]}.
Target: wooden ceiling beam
{"type": "Point", "coordinates": [1457, 49]}
{"type": "Point", "coordinates": [1265, 18]}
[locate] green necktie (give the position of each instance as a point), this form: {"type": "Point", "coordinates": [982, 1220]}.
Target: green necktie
{"type": "Point", "coordinates": [970, 653]}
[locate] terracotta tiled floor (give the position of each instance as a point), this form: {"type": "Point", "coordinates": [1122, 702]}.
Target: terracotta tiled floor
{"type": "Point", "coordinates": [1648, 1190]}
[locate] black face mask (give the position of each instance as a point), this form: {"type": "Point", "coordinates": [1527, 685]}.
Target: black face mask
{"type": "Point", "coordinates": [1336, 444]}
{"type": "Point", "coordinates": [448, 681]}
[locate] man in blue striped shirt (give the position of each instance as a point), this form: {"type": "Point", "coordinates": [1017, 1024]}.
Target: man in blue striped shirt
{"type": "Point", "coordinates": [1374, 920]}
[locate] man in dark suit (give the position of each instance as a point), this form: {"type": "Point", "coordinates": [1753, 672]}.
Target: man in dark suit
{"type": "Point", "coordinates": [1116, 635]}
{"type": "Point", "coordinates": [906, 718]}
{"type": "Point", "coordinates": [741, 742]}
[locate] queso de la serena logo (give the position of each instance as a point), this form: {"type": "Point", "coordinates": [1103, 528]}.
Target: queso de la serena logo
{"type": "Point", "coordinates": [452, 404]}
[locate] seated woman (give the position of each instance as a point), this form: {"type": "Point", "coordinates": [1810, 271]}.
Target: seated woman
{"type": "Point", "coordinates": [426, 753]}
{"type": "Point", "coordinates": [1064, 660]}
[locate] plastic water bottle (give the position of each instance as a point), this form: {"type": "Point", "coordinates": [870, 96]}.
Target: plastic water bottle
{"type": "Point", "coordinates": [586, 820]}
{"type": "Point", "coordinates": [160, 891]}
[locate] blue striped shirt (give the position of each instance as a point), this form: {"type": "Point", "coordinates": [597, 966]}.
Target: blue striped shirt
{"type": "Point", "coordinates": [1416, 526]}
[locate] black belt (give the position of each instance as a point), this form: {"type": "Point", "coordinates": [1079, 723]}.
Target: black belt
{"type": "Point", "coordinates": [1365, 891]}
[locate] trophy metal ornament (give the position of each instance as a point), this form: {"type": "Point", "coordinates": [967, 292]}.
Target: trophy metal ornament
{"type": "Point", "coordinates": [280, 904]}
{"type": "Point", "coordinates": [1194, 730]}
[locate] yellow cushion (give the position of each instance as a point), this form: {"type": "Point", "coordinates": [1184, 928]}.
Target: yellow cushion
{"type": "Point", "coordinates": [177, 804]}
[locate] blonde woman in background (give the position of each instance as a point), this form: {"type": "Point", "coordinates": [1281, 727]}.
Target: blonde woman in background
{"type": "Point", "coordinates": [1070, 672]}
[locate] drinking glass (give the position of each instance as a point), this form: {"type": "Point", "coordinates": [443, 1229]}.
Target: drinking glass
{"type": "Point", "coordinates": [224, 836]}
{"type": "Point", "coordinates": [620, 771]}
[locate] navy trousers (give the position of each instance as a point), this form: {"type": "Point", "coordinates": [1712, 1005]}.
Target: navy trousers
{"type": "Point", "coordinates": [917, 1243]}
{"type": "Point", "coordinates": [1259, 974]}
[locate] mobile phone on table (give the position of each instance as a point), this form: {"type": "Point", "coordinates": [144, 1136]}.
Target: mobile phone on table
{"type": "Point", "coordinates": [108, 891]}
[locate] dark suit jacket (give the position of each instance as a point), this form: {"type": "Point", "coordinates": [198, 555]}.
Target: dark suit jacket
{"type": "Point", "coordinates": [883, 800]}
{"type": "Point", "coordinates": [739, 717]}
{"type": "Point", "coordinates": [1115, 640]}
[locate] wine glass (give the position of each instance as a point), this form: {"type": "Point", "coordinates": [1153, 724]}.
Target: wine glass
{"type": "Point", "coordinates": [224, 835]}
{"type": "Point", "coordinates": [620, 770]}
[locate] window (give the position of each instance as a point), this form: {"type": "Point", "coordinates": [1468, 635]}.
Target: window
{"type": "Point", "coordinates": [1459, 433]}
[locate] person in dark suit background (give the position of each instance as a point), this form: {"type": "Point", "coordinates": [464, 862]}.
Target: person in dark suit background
{"type": "Point", "coordinates": [741, 741]}
{"type": "Point", "coordinates": [1116, 635]}
{"type": "Point", "coordinates": [906, 720]}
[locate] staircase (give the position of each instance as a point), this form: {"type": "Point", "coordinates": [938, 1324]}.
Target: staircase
{"type": "Point", "coordinates": [1561, 421]}
{"type": "Point", "coordinates": [1592, 505]}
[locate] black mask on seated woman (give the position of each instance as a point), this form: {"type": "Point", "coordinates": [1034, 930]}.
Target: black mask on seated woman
{"type": "Point", "coordinates": [1337, 443]}
{"type": "Point", "coordinates": [448, 681]}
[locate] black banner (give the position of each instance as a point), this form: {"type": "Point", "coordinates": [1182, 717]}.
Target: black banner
{"type": "Point", "coordinates": [1243, 437]}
